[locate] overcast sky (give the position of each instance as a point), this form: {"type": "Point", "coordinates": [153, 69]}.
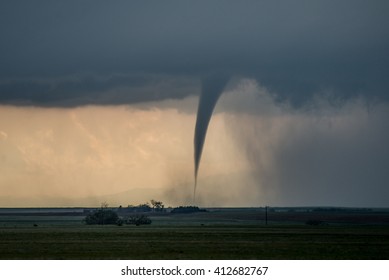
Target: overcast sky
{"type": "Point", "coordinates": [97, 95]}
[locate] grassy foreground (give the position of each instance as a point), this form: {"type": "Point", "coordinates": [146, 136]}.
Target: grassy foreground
{"type": "Point", "coordinates": [217, 234]}
{"type": "Point", "coordinates": [201, 242]}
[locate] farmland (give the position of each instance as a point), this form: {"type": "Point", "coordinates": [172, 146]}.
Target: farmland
{"type": "Point", "coordinates": [224, 233]}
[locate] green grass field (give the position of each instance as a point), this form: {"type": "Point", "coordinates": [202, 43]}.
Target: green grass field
{"type": "Point", "coordinates": [224, 235]}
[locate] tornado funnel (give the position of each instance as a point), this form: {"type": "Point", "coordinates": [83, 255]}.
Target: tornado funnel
{"type": "Point", "coordinates": [212, 88]}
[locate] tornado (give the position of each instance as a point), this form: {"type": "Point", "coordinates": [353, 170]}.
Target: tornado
{"type": "Point", "coordinates": [212, 88]}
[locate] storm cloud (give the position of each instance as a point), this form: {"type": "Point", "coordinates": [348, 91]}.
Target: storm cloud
{"type": "Point", "coordinates": [71, 53]}
{"type": "Point", "coordinates": [96, 93]}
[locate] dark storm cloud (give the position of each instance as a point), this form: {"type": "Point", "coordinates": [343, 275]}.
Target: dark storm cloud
{"type": "Point", "coordinates": [85, 89]}
{"type": "Point", "coordinates": [294, 48]}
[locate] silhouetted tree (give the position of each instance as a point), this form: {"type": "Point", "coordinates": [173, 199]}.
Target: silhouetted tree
{"type": "Point", "coordinates": [158, 206]}
{"type": "Point", "coordinates": [138, 220]}
{"type": "Point", "coordinates": [102, 216]}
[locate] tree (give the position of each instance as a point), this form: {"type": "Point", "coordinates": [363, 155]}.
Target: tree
{"type": "Point", "coordinates": [102, 216]}
{"type": "Point", "coordinates": [158, 206]}
{"type": "Point", "coordinates": [138, 220]}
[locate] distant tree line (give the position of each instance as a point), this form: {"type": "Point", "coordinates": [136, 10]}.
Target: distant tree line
{"type": "Point", "coordinates": [110, 216]}
{"type": "Point", "coordinates": [340, 209]}
{"type": "Point", "coordinates": [153, 206]}
{"type": "Point", "coordinates": [187, 209]}
{"type": "Point", "coordinates": [107, 216]}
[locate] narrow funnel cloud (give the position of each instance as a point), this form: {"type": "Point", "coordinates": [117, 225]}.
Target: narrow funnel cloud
{"type": "Point", "coordinates": [212, 88]}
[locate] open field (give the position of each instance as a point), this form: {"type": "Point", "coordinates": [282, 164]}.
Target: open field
{"type": "Point", "coordinates": [218, 234]}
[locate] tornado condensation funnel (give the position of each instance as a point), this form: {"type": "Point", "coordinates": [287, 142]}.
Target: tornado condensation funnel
{"type": "Point", "coordinates": [212, 88]}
